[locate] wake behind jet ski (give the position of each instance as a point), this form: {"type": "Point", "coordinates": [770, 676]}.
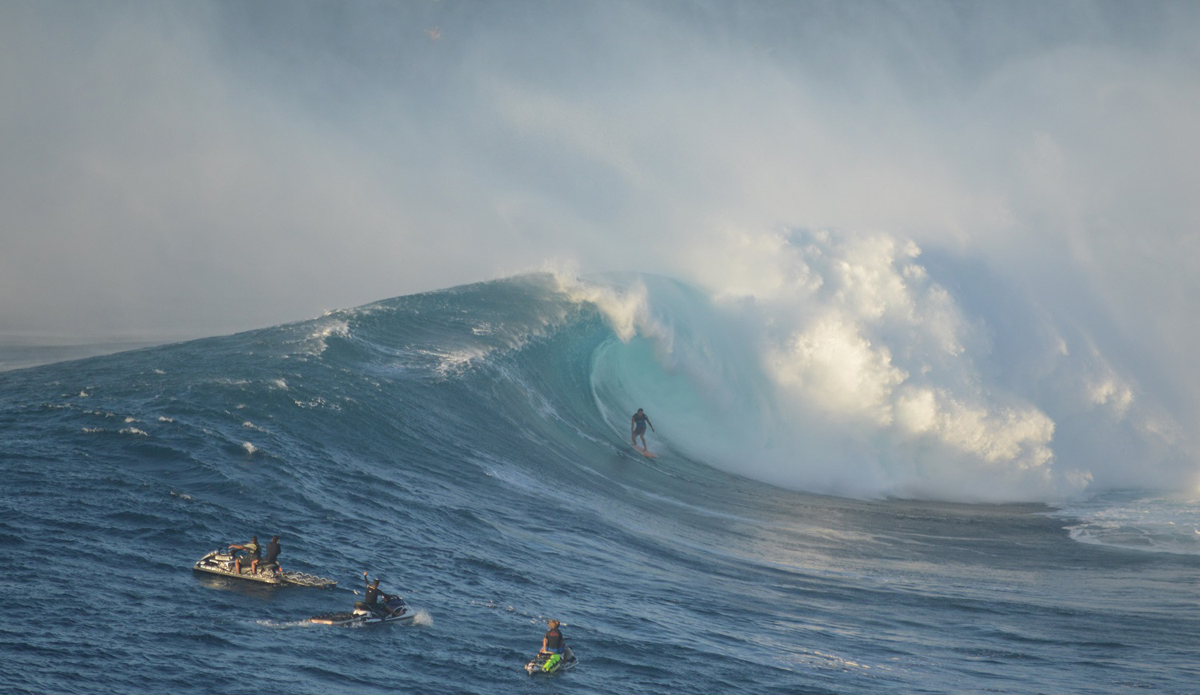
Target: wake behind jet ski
{"type": "Point", "coordinates": [376, 607]}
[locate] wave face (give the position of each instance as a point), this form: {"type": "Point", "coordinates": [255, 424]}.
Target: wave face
{"type": "Point", "coordinates": [471, 446]}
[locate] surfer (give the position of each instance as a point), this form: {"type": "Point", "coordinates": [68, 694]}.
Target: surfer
{"type": "Point", "coordinates": [637, 428]}
{"type": "Point", "coordinates": [253, 553]}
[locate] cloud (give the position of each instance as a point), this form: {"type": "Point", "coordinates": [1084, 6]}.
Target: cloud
{"type": "Point", "coordinates": [210, 167]}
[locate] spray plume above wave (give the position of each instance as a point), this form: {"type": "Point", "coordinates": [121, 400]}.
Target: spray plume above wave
{"type": "Point", "coordinates": [842, 365]}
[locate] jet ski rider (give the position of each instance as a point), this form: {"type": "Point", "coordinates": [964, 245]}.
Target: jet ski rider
{"type": "Point", "coordinates": [554, 642]}
{"type": "Point", "coordinates": [371, 600]}
{"type": "Point", "coordinates": [253, 553]}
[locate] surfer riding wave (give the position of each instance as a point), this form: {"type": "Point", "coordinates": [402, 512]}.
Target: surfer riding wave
{"type": "Point", "coordinates": [637, 428]}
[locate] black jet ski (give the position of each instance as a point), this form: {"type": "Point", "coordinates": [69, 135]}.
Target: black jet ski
{"type": "Point", "coordinates": [221, 562]}
{"type": "Point", "coordinates": [391, 609]}
{"type": "Point", "coordinates": [552, 663]}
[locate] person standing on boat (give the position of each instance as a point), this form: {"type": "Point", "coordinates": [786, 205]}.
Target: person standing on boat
{"type": "Point", "coordinates": [271, 561]}
{"type": "Point", "coordinates": [253, 553]}
{"type": "Point", "coordinates": [637, 427]}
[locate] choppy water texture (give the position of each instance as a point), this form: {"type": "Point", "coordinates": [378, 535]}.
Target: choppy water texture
{"type": "Point", "coordinates": [469, 447]}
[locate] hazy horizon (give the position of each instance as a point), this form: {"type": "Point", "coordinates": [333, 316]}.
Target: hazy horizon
{"type": "Point", "coordinates": [202, 168]}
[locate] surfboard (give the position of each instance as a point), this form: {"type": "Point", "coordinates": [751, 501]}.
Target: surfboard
{"type": "Point", "coordinates": [645, 452]}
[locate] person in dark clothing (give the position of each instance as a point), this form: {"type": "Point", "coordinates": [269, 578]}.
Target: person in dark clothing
{"type": "Point", "coordinates": [253, 553]}
{"type": "Point", "coordinates": [637, 427]}
{"type": "Point", "coordinates": [554, 642]}
{"type": "Point", "coordinates": [373, 594]}
{"type": "Point", "coordinates": [371, 600]}
{"type": "Point", "coordinates": [271, 561]}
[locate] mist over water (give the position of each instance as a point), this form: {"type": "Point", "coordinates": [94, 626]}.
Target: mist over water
{"type": "Point", "coordinates": [952, 245]}
{"type": "Point", "coordinates": [862, 376]}
{"type": "Point", "coordinates": [865, 265]}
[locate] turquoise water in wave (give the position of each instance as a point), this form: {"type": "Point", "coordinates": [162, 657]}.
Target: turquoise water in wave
{"type": "Point", "coordinates": [469, 447]}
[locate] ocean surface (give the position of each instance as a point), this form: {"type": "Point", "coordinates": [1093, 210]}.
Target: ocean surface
{"type": "Point", "coordinates": [470, 447]}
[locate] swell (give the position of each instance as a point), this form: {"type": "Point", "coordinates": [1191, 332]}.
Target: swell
{"type": "Point", "coordinates": [470, 447]}
{"type": "Point", "coordinates": [522, 380]}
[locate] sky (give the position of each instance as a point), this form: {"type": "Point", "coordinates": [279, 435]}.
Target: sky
{"type": "Point", "coordinates": [173, 170]}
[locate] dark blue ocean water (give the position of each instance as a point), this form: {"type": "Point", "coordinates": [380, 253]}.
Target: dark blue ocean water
{"type": "Point", "coordinates": [469, 447]}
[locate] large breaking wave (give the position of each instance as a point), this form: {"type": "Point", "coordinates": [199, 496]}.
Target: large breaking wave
{"type": "Point", "coordinates": [828, 363]}
{"type": "Point", "coordinates": [836, 364]}
{"type": "Point", "coordinates": [847, 365]}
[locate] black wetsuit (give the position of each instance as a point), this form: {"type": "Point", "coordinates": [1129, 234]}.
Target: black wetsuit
{"type": "Point", "coordinates": [273, 550]}
{"type": "Point", "coordinates": [371, 601]}
{"type": "Point", "coordinates": [554, 641]}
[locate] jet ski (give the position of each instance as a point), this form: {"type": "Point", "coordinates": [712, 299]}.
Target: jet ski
{"type": "Point", "coordinates": [221, 562]}
{"type": "Point", "coordinates": [391, 609]}
{"type": "Point", "coordinates": [552, 663]}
